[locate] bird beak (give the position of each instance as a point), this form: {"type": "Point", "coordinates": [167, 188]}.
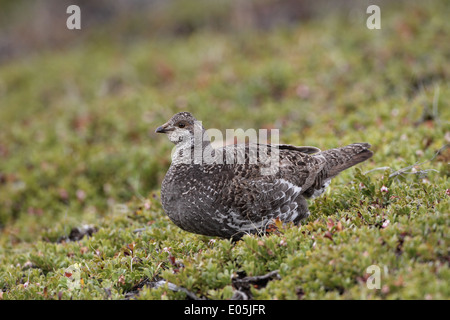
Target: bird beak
{"type": "Point", "coordinates": [163, 128]}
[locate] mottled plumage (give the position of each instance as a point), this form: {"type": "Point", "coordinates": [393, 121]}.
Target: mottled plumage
{"type": "Point", "coordinates": [229, 198]}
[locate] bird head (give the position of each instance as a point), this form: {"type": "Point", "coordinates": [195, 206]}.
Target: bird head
{"type": "Point", "coordinates": [181, 128]}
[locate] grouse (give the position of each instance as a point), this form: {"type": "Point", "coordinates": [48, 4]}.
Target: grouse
{"type": "Point", "coordinates": [242, 188]}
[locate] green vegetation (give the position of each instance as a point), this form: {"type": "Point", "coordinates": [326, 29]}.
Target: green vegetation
{"type": "Point", "coordinates": [77, 147]}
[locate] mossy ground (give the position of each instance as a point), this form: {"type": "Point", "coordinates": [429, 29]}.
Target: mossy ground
{"type": "Point", "coordinates": [77, 147]}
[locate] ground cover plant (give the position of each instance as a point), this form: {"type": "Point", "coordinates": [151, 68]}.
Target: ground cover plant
{"type": "Point", "coordinates": [80, 165]}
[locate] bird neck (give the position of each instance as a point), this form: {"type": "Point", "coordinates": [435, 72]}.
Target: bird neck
{"type": "Point", "coordinates": [193, 150]}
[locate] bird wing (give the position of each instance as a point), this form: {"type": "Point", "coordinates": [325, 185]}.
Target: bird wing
{"type": "Point", "coordinates": [253, 195]}
{"type": "Point", "coordinates": [303, 149]}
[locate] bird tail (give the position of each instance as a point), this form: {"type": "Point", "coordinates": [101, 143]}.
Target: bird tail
{"type": "Point", "coordinates": [340, 159]}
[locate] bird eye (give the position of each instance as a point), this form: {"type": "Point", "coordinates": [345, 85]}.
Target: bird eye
{"type": "Point", "coordinates": [181, 125]}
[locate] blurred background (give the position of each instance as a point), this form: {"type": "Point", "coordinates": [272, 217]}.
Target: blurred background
{"type": "Point", "coordinates": [38, 25]}
{"type": "Point", "coordinates": [78, 108]}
